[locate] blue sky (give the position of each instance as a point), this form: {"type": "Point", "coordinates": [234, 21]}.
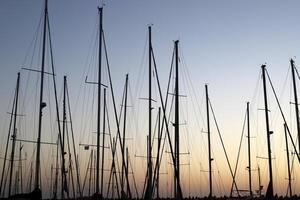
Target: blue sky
{"type": "Point", "coordinates": [223, 43]}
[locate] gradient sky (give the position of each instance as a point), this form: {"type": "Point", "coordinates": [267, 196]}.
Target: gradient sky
{"type": "Point", "coordinates": [223, 43]}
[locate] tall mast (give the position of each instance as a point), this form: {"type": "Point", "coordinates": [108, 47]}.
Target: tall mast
{"type": "Point", "coordinates": [20, 168]}
{"type": "Point", "coordinates": [249, 150]}
{"type": "Point", "coordinates": [269, 193]}
{"type": "Point", "coordinates": [127, 165]}
{"type": "Point", "coordinates": [56, 172]}
{"type": "Point", "coordinates": [100, 9]}
{"type": "Point", "coordinates": [63, 174]}
{"type": "Point", "coordinates": [6, 148]}
{"type": "Point", "coordinates": [41, 106]}
{"type": "Point", "coordinates": [209, 148]}
{"type": "Point", "coordinates": [176, 124]}
{"type": "Point", "coordinates": [288, 160]}
{"type": "Point", "coordinates": [103, 140]}
{"type": "Point", "coordinates": [158, 150]}
{"type": "Point", "coordinates": [14, 135]}
{"type": "Point", "coordinates": [295, 99]}
{"type": "Point", "coordinates": [148, 194]}
{"type": "Point", "coordinates": [124, 134]}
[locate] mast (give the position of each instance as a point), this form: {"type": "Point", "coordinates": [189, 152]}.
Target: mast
{"type": "Point", "coordinates": [124, 135]}
{"type": "Point", "coordinates": [74, 148]}
{"type": "Point", "coordinates": [148, 194]}
{"type": "Point", "coordinates": [295, 99]}
{"type": "Point", "coordinates": [103, 140]}
{"type": "Point", "coordinates": [64, 185]}
{"type": "Point", "coordinates": [269, 193]}
{"type": "Point", "coordinates": [14, 135]}
{"type": "Point", "coordinates": [42, 105]}
{"type": "Point", "coordinates": [259, 181]}
{"type": "Point", "coordinates": [249, 150]}
{"type": "Point", "coordinates": [20, 168]}
{"type": "Point", "coordinates": [91, 171]}
{"type": "Point", "coordinates": [56, 172]}
{"type": "Point", "coordinates": [288, 160]}
{"type": "Point", "coordinates": [176, 124]}
{"type": "Point", "coordinates": [209, 147]}
{"type": "Point", "coordinates": [158, 150]}
{"type": "Point", "coordinates": [6, 147]}
{"type": "Point", "coordinates": [100, 10]}
{"type": "Point", "coordinates": [127, 165]}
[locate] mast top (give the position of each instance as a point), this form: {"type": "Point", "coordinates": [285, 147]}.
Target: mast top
{"type": "Point", "coordinates": [292, 61]}
{"type": "Point", "coordinates": [46, 5]}
{"type": "Point", "coordinates": [100, 8]}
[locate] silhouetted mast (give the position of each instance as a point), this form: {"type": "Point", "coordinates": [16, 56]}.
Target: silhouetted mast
{"type": "Point", "coordinates": [158, 150]}
{"type": "Point", "coordinates": [124, 137]}
{"type": "Point", "coordinates": [64, 187]}
{"type": "Point", "coordinates": [249, 150]}
{"type": "Point", "coordinates": [14, 135]}
{"type": "Point", "coordinates": [103, 140]}
{"type": "Point", "coordinates": [295, 99]}
{"type": "Point", "coordinates": [2, 192]}
{"type": "Point", "coordinates": [288, 161]}
{"type": "Point", "coordinates": [148, 194]}
{"type": "Point", "coordinates": [209, 146]}
{"type": "Point", "coordinates": [99, 99]}
{"type": "Point", "coordinates": [259, 181]}
{"type": "Point", "coordinates": [176, 125]}
{"type": "Point", "coordinates": [269, 193]}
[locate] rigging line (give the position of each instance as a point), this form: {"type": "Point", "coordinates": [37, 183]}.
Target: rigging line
{"type": "Point", "coordinates": [287, 128]}
{"type": "Point", "coordinates": [7, 142]}
{"type": "Point", "coordinates": [226, 155]}
{"type": "Point", "coordinates": [140, 76]}
{"type": "Point", "coordinates": [163, 145]}
{"type": "Point", "coordinates": [88, 66]}
{"type": "Point", "coordinates": [55, 92]}
{"type": "Point", "coordinates": [134, 182]}
{"type": "Point", "coordinates": [188, 75]}
{"type": "Point", "coordinates": [297, 73]}
{"type": "Point", "coordinates": [92, 45]}
{"type": "Point", "coordinates": [73, 141]}
{"type": "Point", "coordinates": [192, 91]}
{"type": "Point", "coordinates": [239, 151]}
{"type": "Point", "coordinates": [122, 102]}
{"type": "Point", "coordinates": [274, 119]}
{"type": "Point", "coordinates": [165, 120]}
{"type": "Point", "coordinates": [166, 101]}
{"type": "Point", "coordinates": [70, 161]}
{"type": "Point", "coordinates": [115, 112]}
{"type": "Point", "coordinates": [34, 41]}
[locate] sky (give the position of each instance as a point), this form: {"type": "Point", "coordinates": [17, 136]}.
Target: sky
{"type": "Point", "coordinates": [222, 43]}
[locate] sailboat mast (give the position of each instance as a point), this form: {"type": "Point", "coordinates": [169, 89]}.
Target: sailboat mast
{"type": "Point", "coordinates": [41, 106]}
{"type": "Point", "coordinates": [249, 150]}
{"type": "Point", "coordinates": [270, 186]}
{"type": "Point", "coordinates": [209, 147]}
{"type": "Point", "coordinates": [295, 99]}
{"type": "Point", "coordinates": [63, 170]}
{"type": "Point", "coordinates": [6, 148]}
{"type": "Point", "coordinates": [158, 151]}
{"type": "Point", "coordinates": [288, 160]}
{"type": "Point", "coordinates": [124, 134]}
{"type": "Point", "coordinates": [103, 140]}
{"type": "Point", "coordinates": [100, 9]}
{"type": "Point", "coordinates": [259, 181]}
{"type": "Point", "coordinates": [20, 168]}
{"type": "Point", "coordinates": [149, 156]}
{"type": "Point", "coordinates": [14, 135]}
{"type": "Point", "coordinates": [176, 124]}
